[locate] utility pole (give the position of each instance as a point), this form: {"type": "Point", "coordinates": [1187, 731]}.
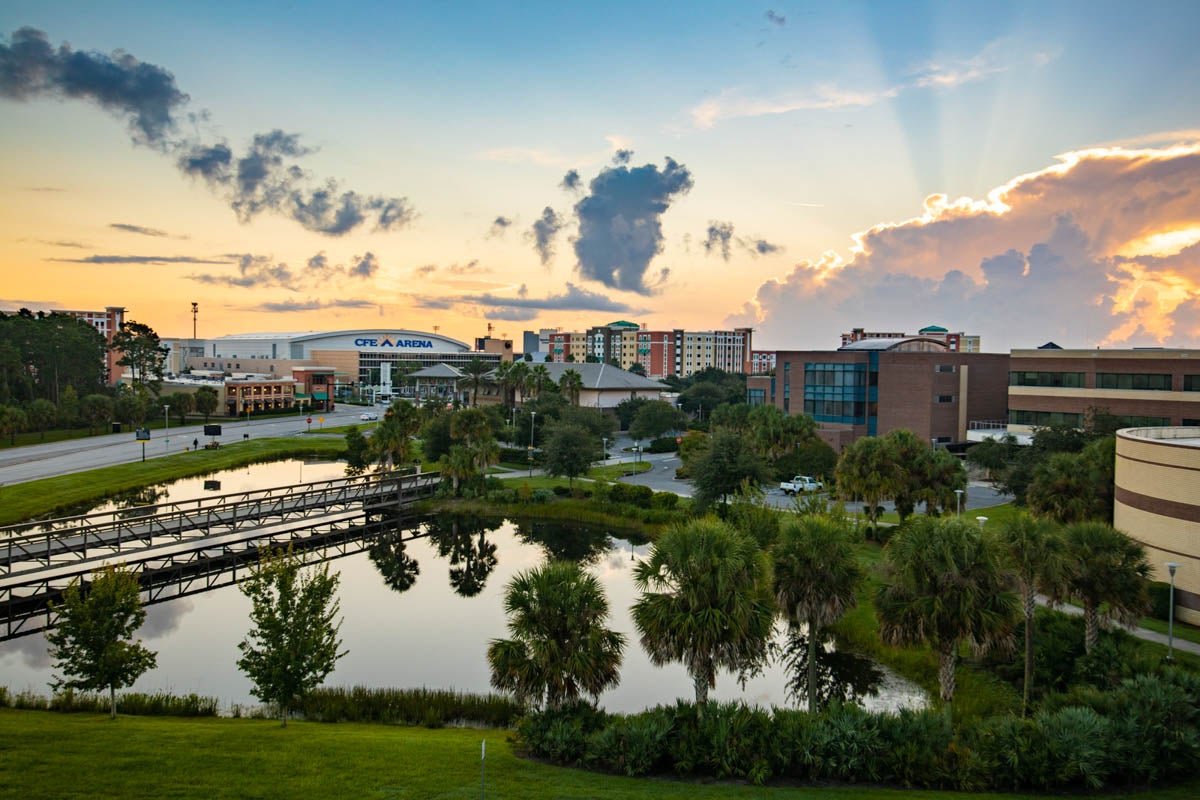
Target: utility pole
{"type": "Point", "coordinates": [195, 311]}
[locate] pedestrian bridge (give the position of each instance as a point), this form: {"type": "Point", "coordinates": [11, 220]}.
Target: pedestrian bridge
{"type": "Point", "coordinates": [190, 546]}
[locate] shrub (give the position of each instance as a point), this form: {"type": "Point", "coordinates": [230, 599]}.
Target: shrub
{"type": "Point", "coordinates": [542, 496]}
{"type": "Point", "coordinates": [915, 745]}
{"type": "Point", "coordinates": [728, 741]}
{"type": "Point", "coordinates": [847, 745]}
{"type": "Point", "coordinates": [665, 501]}
{"type": "Point", "coordinates": [635, 745]}
{"type": "Point", "coordinates": [663, 444]}
{"type": "Point", "coordinates": [1074, 742]}
{"type": "Point", "coordinates": [562, 491]}
{"type": "Point", "coordinates": [560, 735]}
{"type": "Point", "coordinates": [1160, 599]}
{"type": "Point", "coordinates": [428, 707]}
{"type": "Point", "coordinates": [1153, 730]}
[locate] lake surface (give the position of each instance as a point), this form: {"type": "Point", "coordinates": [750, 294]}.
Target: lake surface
{"type": "Point", "coordinates": [405, 627]}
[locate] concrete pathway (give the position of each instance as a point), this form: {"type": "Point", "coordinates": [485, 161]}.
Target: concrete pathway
{"type": "Point", "coordinates": [1141, 633]}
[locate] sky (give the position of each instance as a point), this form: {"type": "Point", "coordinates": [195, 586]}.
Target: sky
{"type": "Point", "coordinates": [1026, 172]}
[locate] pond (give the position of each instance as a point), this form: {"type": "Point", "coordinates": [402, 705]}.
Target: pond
{"type": "Point", "coordinates": [420, 613]}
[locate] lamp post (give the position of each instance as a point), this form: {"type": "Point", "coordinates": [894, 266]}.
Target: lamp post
{"type": "Point", "coordinates": [958, 496]}
{"type": "Point", "coordinates": [532, 419]}
{"type": "Point", "coordinates": [166, 427]}
{"type": "Point", "coordinates": [982, 521]}
{"type": "Point", "coordinates": [1171, 567]}
{"type": "Point", "coordinates": [604, 448]}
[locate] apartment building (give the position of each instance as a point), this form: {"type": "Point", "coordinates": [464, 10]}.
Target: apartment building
{"type": "Point", "coordinates": [661, 353]}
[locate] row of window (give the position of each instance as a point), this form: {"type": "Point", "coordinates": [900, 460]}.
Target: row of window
{"type": "Point", "coordinates": [1042, 419]}
{"type": "Point", "coordinates": [1158, 382]}
{"type": "Point", "coordinates": [851, 411]}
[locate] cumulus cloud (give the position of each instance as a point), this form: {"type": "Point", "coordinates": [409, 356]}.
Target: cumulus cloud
{"type": "Point", "coordinates": [163, 618]}
{"type": "Point", "coordinates": [364, 267]}
{"type": "Point", "coordinates": [543, 232]}
{"type": "Point", "coordinates": [571, 181]}
{"type": "Point", "coordinates": [143, 94]}
{"type": "Point", "coordinates": [425, 269]}
{"type": "Point", "coordinates": [622, 156]}
{"type": "Point", "coordinates": [1100, 248]}
{"type": "Point", "coordinates": [266, 177]}
{"type": "Point", "coordinates": [522, 308]}
{"type": "Point", "coordinates": [500, 226]}
{"type": "Point", "coordinates": [33, 650]}
{"type": "Point", "coordinates": [620, 222]}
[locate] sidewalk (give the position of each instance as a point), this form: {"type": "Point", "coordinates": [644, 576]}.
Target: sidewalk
{"type": "Point", "coordinates": [1142, 633]}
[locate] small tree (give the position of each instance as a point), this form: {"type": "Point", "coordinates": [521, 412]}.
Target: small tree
{"type": "Point", "coordinates": [568, 452]}
{"type": "Point", "coordinates": [206, 400]}
{"type": "Point", "coordinates": [142, 352]}
{"type": "Point", "coordinates": [1107, 570]}
{"type": "Point", "coordinates": [293, 643]}
{"type": "Point", "coordinates": [181, 404]}
{"type": "Point", "coordinates": [93, 641]}
{"type": "Point", "coordinates": [42, 414]}
{"type": "Point", "coordinates": [96, 409]}
{"type": "Point", "coordinates": [655, 418]}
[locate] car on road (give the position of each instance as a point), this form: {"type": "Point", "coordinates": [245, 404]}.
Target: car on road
{"type": "Point", "coordinates": [801, 484]}
{"type": "Point", "coordinates": [368, 415]}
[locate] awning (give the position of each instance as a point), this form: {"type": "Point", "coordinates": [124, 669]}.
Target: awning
{"type": "Point", "coordinates": [320, 395]}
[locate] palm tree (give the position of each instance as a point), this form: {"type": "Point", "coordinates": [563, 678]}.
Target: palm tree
{"type": "Point", "coordinates": [816, 581]}
{"type": "Point", "coordinates": [571, 385]}
{"type": "Point", "coordinates": [1108, 572]}
{"type": "Point", "coordinates": [12, 422]}
{"type": "Point", "coordinates": [518, 378]}
{"type": "Point", "coordinates": [944, 584]}
{"type": "Point", "coordinates": [539, 376]}
{"type": "Point", "coordinates": [868, 469]}
{"type": "Point", "coordinates": [705, 601]}
{"type": "Point", "coordinates": [475, 370]}
{"type": "Point", "coordinates": [1036, 552]}
{"type": "Point", "coordinates": [458, 465]}
{"type": "Point", "coordinates": [560, 647]}
{"type": "Point", "coordinates": [391, 442]}
{"type": "Point", "coordinates": [1060, 489]}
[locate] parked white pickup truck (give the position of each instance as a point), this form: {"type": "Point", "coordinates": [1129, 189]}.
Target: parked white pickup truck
{"type": "Point", "coordinates": [801, 484]}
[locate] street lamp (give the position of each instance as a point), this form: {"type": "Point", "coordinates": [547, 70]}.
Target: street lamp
{"type": "Point", "coordinates": [166, 427]}
{"type": "Point", "coordinates": [959, 494]}
{"type": "Point", "coordinates": [982, 521]}
{"type": "Point", "coordinates": [604, 448]}
{"type": "Point", "coordinates": [1171, 567]}
{"type": "Point", "coordinates": [532, 419]}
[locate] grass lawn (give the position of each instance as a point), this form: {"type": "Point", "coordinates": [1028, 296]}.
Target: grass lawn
{"type": "Point", "coordinates": [52, 755]}
{"type": "Point", "coordinates": [24, 501]}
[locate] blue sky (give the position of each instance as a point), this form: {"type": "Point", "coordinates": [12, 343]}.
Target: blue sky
{"type": "Point", "coordinates": [799, 126]}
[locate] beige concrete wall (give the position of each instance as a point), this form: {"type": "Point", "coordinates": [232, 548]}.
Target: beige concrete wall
{"type": "Point", "coordinates": [1158, 503]}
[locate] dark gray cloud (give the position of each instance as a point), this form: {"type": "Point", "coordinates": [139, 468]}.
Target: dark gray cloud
{"type": "Point", "coordinates": [499, 226]}
{"type": "Point", "coordinates": [774, 18]}
{"type": "Point", "coordinates": [472, 267]}
{"type": "Point", "coordinates": [543, 232]}
{"type": "Point", "coordinates": [719, 237]}
{"type": "Point", "coordinates": [622, 157]}
{"type": "Point", "coordinates": [573, 299]}
{"type": "Point", "coordinates": [432, 303]}
{"type": "Point", "coordinates": [313, 305]}
{"type": "Point", "coordinates": [143, 94]}
{"type": "Point", "coordinates": [620, 222]}
{"type": "Point", "coordinates": [425, 269]}
{"type": "Point", "coordinates": [34, 651]}
{"type": "Point", "coordinates": [256, 271]}
{"type": "Point", "coordinates": [266, 178]}
{"type": "Point", "coordinates": [130, 259]}
{"type": "Point", "coordinates": [120, 226]}
{"type": "Point", "coordinates": [253, 272]}
{"type": "Point", "coordinates": [364, 267]}
{"type": "Point", "coordinates": [571, 181]}
{"type": "Point", "coordinates": [762, 247]}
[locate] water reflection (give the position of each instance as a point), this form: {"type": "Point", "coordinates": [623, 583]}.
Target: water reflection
{"type": "Point", "coordinates": [401, 631]}
{"type": "Point", "coordinates": [564, 541]}
{"type": "Point", "coordinates": [841, 674]}
{"type": "Point", "coordinates": [463, 540]}
{"type": "Point", "coordinates": [398, 569]}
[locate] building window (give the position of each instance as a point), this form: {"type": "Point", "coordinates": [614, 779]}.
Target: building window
{"type": "Point", "coordinates": [1191, 383]}
{"type": "Point", "coordinates": [1066, 380]}
{"type": "Point", "coordinates": [1042, 419]}
{"type": "Point", "coordinates": [945, 368]}
{"type": "Point", "coordinates": [1133, 380]}
{"type": "Point", "coordinates": [944, 398]}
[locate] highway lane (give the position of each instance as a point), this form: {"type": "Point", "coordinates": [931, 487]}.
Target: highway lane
{"type": "Point", "coordinates": [31, 462]}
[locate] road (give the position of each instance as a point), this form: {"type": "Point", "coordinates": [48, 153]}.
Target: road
{"type": "Point", "coordinates": [20, 464]}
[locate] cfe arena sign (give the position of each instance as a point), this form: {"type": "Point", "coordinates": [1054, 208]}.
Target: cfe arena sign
{"type": "Point", "coordinates": [389, 342]}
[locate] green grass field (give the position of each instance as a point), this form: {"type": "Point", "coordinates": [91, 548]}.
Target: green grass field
{"type": "Point", "coordinates": [52, 755]}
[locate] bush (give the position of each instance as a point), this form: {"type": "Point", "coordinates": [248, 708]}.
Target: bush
{"type": "Point", "coordinates": [728, 741]}
{"type": "Point", "coordinates": [848, 745]}
{"type": "Point", "coordinates": [428, 707]}
{"type": "Point", "coordinates": [560, 735]}
{"type": "Point", "coordinates": [542, 495]}
{"type": "Point", "coordinates": [633, 746]}
{"type": "Point", "coordinates": [1160, 599]}
{"type": "Point", "coordinates": [663, 444]}
{"type": "Point", "coordinates": [1074, 741]}
{"type": "Point", "coordinates": [666, 501]}
{"type": "Point", "coordinates": [915, 746]}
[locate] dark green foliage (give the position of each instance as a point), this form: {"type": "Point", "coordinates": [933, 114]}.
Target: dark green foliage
{"type": "Point", "coordinates": [633, 746]}
{"type": "Point", "coordinates": [915, 744]}
{"type": "Point", "coordinates": [408, 707]}
{"type": "Point", "coordinates": [142, 352]}
{"type": "Point", "coordinates": [656, 418]}
{"type": "Point", "coordinates": [158, 704]}
{"type": "Point", "coordinates": [633, 494]}
{"type": "Point", "coordinates": [729, 461]}
{"type": "Point", "coordinates": [560, 735]}
{"type": "Point", "coordinates": [664, 500]}
{"type": "Point", "coordinates": [727, 741]}
{"type": "Point", "coordinates": [357, 451]}
{"type": "Point", "coordinates": [1160, 599]}
{"type": "Point", "coordinates": [663, 444]}
{"type": "Point", "coordinates": [569, 451]}
{"type": "Point", "coordinates": [42, 354]}
{"type": "Point", "coordinates": [1075, 751]}
{"type": "Point", "coordinates": [436, 439]}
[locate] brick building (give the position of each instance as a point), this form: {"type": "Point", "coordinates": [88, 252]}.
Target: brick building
{"type": "Point", "coordinates": [871, 387]}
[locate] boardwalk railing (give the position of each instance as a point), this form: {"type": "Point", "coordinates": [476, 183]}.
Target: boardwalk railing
{"type": "Point", "coordinates": [184, 538]}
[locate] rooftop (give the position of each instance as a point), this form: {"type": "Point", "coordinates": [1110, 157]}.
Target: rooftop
{"type": "Point", "coordinates": [1175, 436]}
